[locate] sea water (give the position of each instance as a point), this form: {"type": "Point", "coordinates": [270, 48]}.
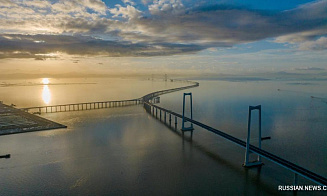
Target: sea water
{"type": "Point", "coordinates": [125, 151]}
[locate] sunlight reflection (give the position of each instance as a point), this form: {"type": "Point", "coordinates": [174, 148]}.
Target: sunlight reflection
{"type": "Point", "coordinates": [46, 95]}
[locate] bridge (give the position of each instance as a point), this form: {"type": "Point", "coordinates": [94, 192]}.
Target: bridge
{"type": "Point", "coordinates": [103, 104]}
{"type": "Point", "coordinates": [170, 118]}
{"type": "Point", "coordinates": [81, 106]}
{"type": "Point", "coordinates": [167, 116]}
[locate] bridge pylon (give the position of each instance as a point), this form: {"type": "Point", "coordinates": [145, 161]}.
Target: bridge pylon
{"type": "Point", "coordinates": [190, 128]}
{"type": "Point", "coordinates": [257, 162]}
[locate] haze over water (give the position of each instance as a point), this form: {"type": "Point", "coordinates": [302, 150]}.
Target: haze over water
{"type": "Point", "coordinates": [126, 151]}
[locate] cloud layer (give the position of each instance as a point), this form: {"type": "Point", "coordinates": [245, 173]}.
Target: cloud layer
{"type": "Point", "coordinates": [165, 27]}
{"type": "Point", "coordinates": [49, 46]}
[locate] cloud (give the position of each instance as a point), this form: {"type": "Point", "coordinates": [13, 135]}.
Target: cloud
{"type": "Point", "coordinates": [225, 25]}
{"type": "Point", "coordinates": [310, 69]}
{"type": "Point", "coordinates": [79, 6]}
{"type": "Point", "coordinates": [48, 46]}
{"type": "Point", "coordinates": [309, 24]}
{"type": "Point", "coordinates": [319, 44]}
{"type": "Point", "coordinates": [161, 7]}
{"type": "Point", "coordinates": [34, 16]}
{"type": "Point", "coordinates": [159, 25]}
{"type": "Point", "coordinates": [37, 4]}
{"type": "Point", "coordinates": [145, 2]}
{"type": "Point", "coordinates": [125, 12]}
{"type": "Point", "coordinates": [128, 2]}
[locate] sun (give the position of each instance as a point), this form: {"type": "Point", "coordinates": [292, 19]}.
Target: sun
{"type": "Point", "coordinates": [45, 81]}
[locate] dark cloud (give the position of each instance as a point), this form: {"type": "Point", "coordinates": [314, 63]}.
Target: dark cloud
{"type": "Point", "coordinates": [82, 25]}
{"type": "Point", "coordinates": [222, 25]}
{"type": "Point", "coordinates": [40, 46]}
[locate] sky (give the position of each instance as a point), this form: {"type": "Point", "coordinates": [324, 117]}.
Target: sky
{"type": "Point", "coordinates": [162, 36]}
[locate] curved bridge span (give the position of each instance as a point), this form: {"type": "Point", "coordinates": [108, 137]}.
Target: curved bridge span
{"type": "Point", "coordinates": [102, 104]}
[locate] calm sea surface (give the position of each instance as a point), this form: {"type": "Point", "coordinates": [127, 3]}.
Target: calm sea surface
{"type": "Point", "coordinates": [125, 151]}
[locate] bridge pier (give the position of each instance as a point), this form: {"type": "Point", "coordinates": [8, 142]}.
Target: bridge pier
{"type": "Point", "coordinates": [160, 114]}
{"type": "Point", "coordinates": [165, 117]}
{"type": "Point", "coordinates": [175, 123]}
{"type": "Point", "coordinates": [169, 120]}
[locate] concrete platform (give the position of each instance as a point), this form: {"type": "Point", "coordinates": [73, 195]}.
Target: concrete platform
{"type": "Point", "coordinates": [13, 121]}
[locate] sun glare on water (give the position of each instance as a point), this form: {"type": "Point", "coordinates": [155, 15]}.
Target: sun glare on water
{"type": "Point", "coordinates": [45, 81]}
{"type": "Point", "coordinates": [46, 95]}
